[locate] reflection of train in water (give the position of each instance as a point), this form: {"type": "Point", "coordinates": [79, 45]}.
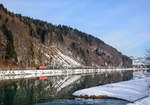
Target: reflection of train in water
{"type": "Point", "coordinates": [42, 68]}
{"type": "Point", "coordinates": [43, 78]}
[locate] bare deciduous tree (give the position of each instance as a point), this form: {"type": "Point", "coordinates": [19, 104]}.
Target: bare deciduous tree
{"type": "Point", "coordinates": [148, 54]}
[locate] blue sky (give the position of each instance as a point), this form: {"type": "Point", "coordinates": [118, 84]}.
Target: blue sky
{"type": "Point", "coordinates": [123, 24]}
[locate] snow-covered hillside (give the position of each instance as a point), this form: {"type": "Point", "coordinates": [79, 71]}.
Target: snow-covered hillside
{"type": "Point", "coordinates": [55, 57]}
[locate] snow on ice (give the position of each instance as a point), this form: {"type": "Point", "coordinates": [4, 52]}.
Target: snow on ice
{"type": "Point", "coordinates": [131, 90]}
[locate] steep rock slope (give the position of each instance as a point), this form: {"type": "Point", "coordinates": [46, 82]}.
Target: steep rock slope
{"type": "Point", "coordinates": [23, 40]}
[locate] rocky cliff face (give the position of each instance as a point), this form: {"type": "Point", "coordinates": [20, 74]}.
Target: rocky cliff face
{"type": "Point", "coordinates": [27, 42]}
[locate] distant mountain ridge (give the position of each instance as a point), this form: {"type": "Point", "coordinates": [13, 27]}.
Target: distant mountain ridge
{"type": "Point", "coordinates": [139, 61]}
{"type": "Point", "coordinates": [25, 42]}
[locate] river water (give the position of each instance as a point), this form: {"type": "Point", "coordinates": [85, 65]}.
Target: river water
{"type": "Point", "coordinates": [57, 90]}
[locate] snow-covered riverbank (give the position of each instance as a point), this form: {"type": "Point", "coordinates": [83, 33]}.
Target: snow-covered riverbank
{"type": "Point", "coordinates": [145, 101]}
{"type": "Point", "coordinates": [131, 90]}
{"type": "Point", "coordinates": [16, 74]}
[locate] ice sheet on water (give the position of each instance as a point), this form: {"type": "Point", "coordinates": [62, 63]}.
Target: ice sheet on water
{"type": "Point", "coordinates": [129, 90]}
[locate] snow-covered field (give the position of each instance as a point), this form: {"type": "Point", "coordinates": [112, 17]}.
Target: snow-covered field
{"type": "Point", "coordinates": [131, 90]}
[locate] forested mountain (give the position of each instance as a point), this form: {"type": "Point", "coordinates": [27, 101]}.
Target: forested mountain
{"type": "Point", "coordinates": [27, 42]}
